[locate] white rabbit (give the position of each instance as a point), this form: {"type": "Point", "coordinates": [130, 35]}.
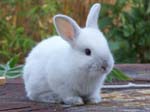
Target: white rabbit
{"type": "Point", "coordinates": [71, 67]}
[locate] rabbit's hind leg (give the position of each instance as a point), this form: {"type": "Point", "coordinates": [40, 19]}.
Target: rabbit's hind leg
{"type": "Point", "coordinates": [45, 96]}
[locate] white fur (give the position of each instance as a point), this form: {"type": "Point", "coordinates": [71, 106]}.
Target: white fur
{"type": "Point", "coordinates": [58, 70]}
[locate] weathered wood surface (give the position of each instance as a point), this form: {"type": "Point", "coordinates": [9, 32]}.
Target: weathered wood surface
{"type": "Point", "coordinates": [2, 80]}
{"type": "Point", "coordinates": [13, 99]}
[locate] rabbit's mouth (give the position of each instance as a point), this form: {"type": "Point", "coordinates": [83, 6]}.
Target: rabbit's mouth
{"type": "Point", "coordinates": [100, 68]}
{"type": "Point", "coordinates": [103, 68]}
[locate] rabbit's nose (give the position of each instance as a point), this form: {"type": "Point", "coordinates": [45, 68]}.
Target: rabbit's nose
{"type": "Point", "coordinates": [104, 65]}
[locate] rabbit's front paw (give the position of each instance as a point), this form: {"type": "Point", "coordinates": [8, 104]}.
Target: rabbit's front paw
{"type": "Point", "coordinates": [94, 100]}
{"type": "Point", "coordinates": [74, 100]}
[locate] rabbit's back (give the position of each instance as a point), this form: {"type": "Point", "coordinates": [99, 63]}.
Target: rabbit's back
{"type": "Point", "coordinates": [37, 60]}
{"type": "Point", "coordinates": [47, 48]}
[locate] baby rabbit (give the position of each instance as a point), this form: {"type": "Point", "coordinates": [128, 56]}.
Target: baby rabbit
{"type": "Point", "coordinates": [69, 68]}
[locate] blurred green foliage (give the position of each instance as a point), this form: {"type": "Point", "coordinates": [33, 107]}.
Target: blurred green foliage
{"type": "Point", "coordinates": [25, 22]}
{"type": "Point", "coordinates": [126, 24]}
{"type": "Point", "coordinates": [117, 75]}
{"type": "Point", "coordinates": [13, 41]}
{"type": "Point", "coordinates": [11, 69]}
{"type": "Point", "coordinates": [22, 24]}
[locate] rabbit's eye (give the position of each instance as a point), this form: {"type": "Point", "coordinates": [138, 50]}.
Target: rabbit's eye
{"type": "Point", "coordinates": [87, 51]}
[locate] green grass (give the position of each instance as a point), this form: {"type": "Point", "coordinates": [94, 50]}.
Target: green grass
{"type": "Point", "coordinates": [10, 69]}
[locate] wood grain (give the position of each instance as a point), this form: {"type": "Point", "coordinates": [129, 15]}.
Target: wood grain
{"type": "Point", "coordinates": [13, 99]}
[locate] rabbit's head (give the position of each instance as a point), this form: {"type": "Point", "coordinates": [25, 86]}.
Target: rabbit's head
{"type": "Point", "coordinates": [89, 49]}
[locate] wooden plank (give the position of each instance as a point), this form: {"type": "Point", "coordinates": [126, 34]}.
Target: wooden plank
{"type": "Point", "coordinates": [2, 80]}
{"type": "Point", "coordinates": [136, 71]}
{"type": "Point", "coordinates": [13, 99]}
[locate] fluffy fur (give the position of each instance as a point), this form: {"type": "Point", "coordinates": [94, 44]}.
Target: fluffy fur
{"type": "Point", "coordinates": [58, 70]}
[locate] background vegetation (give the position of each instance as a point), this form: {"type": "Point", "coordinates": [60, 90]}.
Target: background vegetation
{"type": "Point", "coordinates": [127, 27]}
{"type": "Point", "coordinates": [126, 24]}
{"type": "Point", "coordinates": [23, 23]}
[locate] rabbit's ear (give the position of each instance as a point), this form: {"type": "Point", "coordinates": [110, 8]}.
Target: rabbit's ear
{"type": "Point", "coordinates": [66, 27]}
{"type": "Point", "coordinates": [93, 15]}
